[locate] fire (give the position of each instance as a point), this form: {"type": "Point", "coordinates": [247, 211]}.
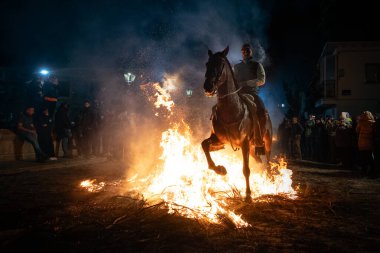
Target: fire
{"type": "Point", "coordinates": [161, 97]}
{"type": "Point", "coordinates": [91, 185]}
{"type": "Point", "coordinates": [188, 187]}
{"type": "Point", "coordinates": [183, 181]}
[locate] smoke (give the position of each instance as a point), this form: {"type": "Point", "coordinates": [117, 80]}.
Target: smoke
{"type": "Point", "coordinates": [152, 40]}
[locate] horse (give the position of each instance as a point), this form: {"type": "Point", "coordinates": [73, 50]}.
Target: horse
{"type": "Point", "coordinates": [231, 119]}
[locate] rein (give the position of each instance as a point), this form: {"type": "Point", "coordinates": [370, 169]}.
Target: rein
{"type": "Point", "coordinates": [239, 122]}
{"type": "Point", "coordinates": [226, 95]}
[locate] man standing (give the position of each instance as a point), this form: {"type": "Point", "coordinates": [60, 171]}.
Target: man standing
{"type": "Point", "coordinates": [50, 94]}
{"type": "Point", "coordinates": [44, 132]}
{"type": "Point", "coordinates": [27, 132]}
{"type": "Point", "coordinates": [87, 124]}
{"type": "Point", "coordinates": [250, 75]}
{"type": "Point", "coordinates": [63, 129]}
{"type": "Point", "coordinates": [295, 139]}
{"type": "Point", "coordinates": [309, 140]}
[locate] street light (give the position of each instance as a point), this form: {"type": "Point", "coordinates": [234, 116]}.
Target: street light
{"type": "Point", "coordinates": [129, 78]}
{"type": "Point", "coordinates": [44, 72]}
{"type": "Point", "coordinates": [189, 92]}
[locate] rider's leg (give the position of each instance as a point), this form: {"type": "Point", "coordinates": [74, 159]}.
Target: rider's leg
{"type": "Point", "coordinates": [257, 132]}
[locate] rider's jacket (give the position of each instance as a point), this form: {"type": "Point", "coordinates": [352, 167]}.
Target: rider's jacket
{"type": "Point", "coordinates": [248, 72]}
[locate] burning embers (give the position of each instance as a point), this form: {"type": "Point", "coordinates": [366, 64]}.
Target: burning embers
{"type": "Point", "coordinates": [92, 185]}
{"type": "Point", "coordinates": [183, 181]}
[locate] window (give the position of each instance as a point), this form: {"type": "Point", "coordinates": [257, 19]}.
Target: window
{"type": "Point", "coordinates": [372, 72]}
{"type": "Point", "coordinates": [330, 67]}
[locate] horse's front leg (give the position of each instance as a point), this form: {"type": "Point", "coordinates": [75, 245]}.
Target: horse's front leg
{"type": "Point", "coordinates": [246, 171]}
{"type": "Point", "coordinates": [214, 142]}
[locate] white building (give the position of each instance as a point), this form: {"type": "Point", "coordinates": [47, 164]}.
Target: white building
{"type": "Point", "coordinates": [350, 77]}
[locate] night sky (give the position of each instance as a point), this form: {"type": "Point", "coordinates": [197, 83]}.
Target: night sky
{"type": "Point", "coordinates": [289, 34]}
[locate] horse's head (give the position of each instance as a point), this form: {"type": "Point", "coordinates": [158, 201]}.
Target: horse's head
{"type": "Point", "coordinates": [215, 74]}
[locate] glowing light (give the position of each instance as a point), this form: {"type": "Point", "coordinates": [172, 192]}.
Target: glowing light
{"type": "Point", "coordinates": [189, 92]}
{"type": "Point", "coordinates": [282, 105]}
{"type": "Point", "coordinates": [44, 72]}
{"type": "Point", "coordinates": [129, 78]}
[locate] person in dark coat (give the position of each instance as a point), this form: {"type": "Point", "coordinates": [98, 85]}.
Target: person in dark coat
{"type": "Point", "coordinates": [284, 135]}
{"type": "Point", "coordinates": [87, 127]}
{"type": "Point", "coordinates": [344, 143]}
{"type": "Point", "coordinates": [44, 132]}
{"type": "Point", "coordinates": [309, 140]}
{"type": "Point", "coordinates": [63, 129]}
{"type": "Point", "coordinates": [331, 126]}
{"type": "Point", "coordinates": [295, 139]}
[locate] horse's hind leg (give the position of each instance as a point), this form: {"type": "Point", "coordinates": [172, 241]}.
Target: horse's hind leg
{"type": "Point", "coordinates": [213, 144]}
{"type": "Point", "coordinates": [246, 171]}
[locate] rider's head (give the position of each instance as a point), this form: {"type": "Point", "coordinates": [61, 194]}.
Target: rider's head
{"type": "Point", "coordinates": [246, 51]}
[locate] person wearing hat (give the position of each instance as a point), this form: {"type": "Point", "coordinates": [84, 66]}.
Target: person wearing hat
{"type": "Point", "coordinates": [250, 75]}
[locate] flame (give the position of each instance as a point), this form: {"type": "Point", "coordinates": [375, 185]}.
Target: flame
{"type": "Point", "coordinates": [91, 185]}
{"type": "Point", "coordinates": [188, 187]}
{"type": "Point", "coordinates": [183, 181]}
{"type": "Point", "coordinates": [161, 97]}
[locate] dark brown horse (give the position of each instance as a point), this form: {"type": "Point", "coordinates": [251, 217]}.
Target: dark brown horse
{"type": "Point", "coordinates": [231, 121]}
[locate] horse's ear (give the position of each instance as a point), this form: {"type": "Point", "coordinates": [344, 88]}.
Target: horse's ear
{"type": "Point", "coordinates": [225, 51]}
{"type": "Point", "coordinates": [209, 53]}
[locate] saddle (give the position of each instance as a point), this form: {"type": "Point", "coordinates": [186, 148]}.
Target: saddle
{"type": "Point", "coordinates": [250, 108]}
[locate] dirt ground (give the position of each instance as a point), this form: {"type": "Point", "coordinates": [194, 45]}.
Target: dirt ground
{"type": "Point", "coordinates": [44, 210]}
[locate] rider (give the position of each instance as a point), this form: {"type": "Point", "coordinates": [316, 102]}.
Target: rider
{"type": "Point", "coordinates": [250, 75]}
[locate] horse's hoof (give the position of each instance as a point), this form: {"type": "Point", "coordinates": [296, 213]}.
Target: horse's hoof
{"type": "Point", "coordinates": [248, 198]}
{"type": "Point", "coordinates": [220, 170]}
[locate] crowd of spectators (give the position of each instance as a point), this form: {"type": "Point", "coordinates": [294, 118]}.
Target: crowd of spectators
{"type": "Point", "coordinates": [354, 144]}
{"type": "Point", "coordinates": [42, 124]}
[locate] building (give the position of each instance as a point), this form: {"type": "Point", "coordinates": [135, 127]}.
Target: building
{"type": "Point", "coordinates": [349, 78]}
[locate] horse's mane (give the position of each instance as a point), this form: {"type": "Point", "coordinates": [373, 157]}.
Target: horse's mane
{"type": "Point", "coordinates": [229, 66]}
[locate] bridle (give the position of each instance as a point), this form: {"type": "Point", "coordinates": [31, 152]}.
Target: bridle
{"type": "Point", "coordinates": [217, 81]}
{"type": "Point", "coordinates": [215, 85]}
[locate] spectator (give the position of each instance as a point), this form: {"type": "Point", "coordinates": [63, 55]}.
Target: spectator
{"type": "Point", "coordinates": [309, 140]}
{"type": "Point", "coordinates": [284, 135]}
{"type": "Point", "coordinates": [44, 133]}
{"type": "Point", "coordinates": [50, 94]}
{"type": "Point", "coordinates": [331, 133]}
{"type": "Point", "coordinates": [365, 130]}
{"type": "Point", "coordinates": [344, 142]}
{"type": "Point", "coordinates": [87, 125]}
{"type": "Point", "coordinates": [295, 139]}
{"type": "Point", "coordinates": [320, 140]}
{"type": "Point", "coordinates": [63, 129]}
{"type": "Point", "coordinates": [108, 131]}
{"type": "Point", "coordinates": [27, 132]}
{"type": "Point", "coordinates": [97, 135]}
